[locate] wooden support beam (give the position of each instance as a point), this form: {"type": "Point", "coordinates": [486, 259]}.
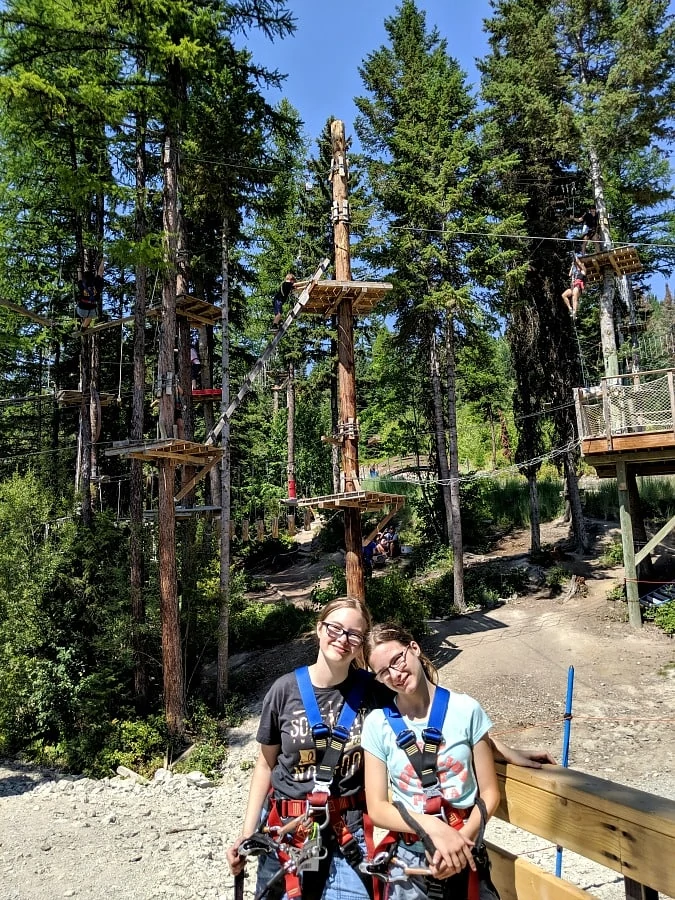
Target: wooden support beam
{"type": "Point", "coordinates": [198, 477]}
{"type": "Point", "coordinates": [652, 542]}
{"type": "Point", "coordinates": [517, 878]}
{"type": "Point", "coordinates": [380, 525]}
{"type": "Point", "coordinates": [327, 439]}
{"type": "Point", "coordinates": [41, 320]}
{"type": "Point", "coordinates": [629, 567]}
{"type": "Point", "coordinates": [103, 326]}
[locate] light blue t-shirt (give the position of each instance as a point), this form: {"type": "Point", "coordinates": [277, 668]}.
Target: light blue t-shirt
{"type": "Point", "coordinates": [465, 723]}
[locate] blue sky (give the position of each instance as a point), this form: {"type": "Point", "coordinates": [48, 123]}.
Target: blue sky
{"type": "Point", "coordinates": [332, 39]}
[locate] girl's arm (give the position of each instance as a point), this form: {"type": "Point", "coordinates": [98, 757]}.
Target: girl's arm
{"type": "Point", "coordinates": [453, 849]}
{"type": "Point", "coordinates": [528, 758]}
{"type": "Point", "coordinates": [261, 781]}
{"type": "Point", "coordinates": [488, 788]}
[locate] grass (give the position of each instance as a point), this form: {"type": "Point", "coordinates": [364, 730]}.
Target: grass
{"type": "Point", "coordinates": [656, 493]}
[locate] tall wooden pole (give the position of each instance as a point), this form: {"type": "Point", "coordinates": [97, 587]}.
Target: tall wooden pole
{"type": "Point", "coordinates": [347, 426]}
{"type": "Point", "coordinates": [629, 567]}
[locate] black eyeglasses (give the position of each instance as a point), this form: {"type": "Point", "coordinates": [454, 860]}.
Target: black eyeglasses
{"type": "Point", "coordinates": [397, 664]}
{"type": "Point", "coordinates": [335, 632]}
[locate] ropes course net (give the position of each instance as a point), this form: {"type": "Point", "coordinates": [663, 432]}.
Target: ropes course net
{"type": "Point", "coordinates": [639, 406]}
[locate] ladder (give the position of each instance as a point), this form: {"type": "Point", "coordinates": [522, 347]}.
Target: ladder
{"type": "Point", "coordinates": [267, 353]}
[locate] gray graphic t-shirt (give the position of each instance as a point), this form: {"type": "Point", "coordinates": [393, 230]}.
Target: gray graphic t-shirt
{"type": "Point", "coordinates": [284, 721]}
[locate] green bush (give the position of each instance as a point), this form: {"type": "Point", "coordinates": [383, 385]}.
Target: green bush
{"type": "Point", "coordinates": [663, 616]}
{"type": "Point", "coordinates": [257, 625]}
{"type": "Point", "coordinates": [556, 577]}
{"type": "Point", "coordinates": [485, 585]}
{"type": "Point", "coordinates": [395, 597]}
{"type": "Point", "coordinates": [613, 554]}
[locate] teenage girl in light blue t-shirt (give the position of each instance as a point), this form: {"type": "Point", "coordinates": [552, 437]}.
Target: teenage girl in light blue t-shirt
{"type": "Point", "coordinates": [465, 763]}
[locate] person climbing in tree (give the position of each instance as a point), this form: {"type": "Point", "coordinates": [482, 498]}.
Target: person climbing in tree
{"type": "Point", "coordinates": [284, 292]}
{"type": "Point", "coordinates": [572, 294]}
{"type": "Point", "coordinates": [195, 368]}
{"type": "Point", "coordinates": [90, 293]}
{"type": "Point", "coordinates": [591, 227]}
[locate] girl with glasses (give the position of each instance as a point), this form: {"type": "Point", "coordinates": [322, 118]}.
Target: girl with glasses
{"type": "Point", "coordinates": [464, 769]}
{"type": "Point", "coordinates": [286, 765]}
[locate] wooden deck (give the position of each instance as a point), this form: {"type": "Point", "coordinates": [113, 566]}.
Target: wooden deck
{"type": "Point", "coordinates": [74, 398]}
{"type": "Point", "coordinates": [631, 419]}
{"type": "Point", "coordinates": [181, 452]}
{"type": "Point", "coordinates": [366, 501]}
{"type": "Point", "coordinates": [196, 311]}
{"type": "Point", "coordinates": [622, 261]}
{"type": "Point", "coordinates": [325, 296]}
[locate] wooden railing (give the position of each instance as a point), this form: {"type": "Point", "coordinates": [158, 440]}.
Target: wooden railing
{"type": "Point", "coordinates": [629, 831]}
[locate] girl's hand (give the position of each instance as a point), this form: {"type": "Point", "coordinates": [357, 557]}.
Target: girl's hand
{"type": "Point", "coordinates": [453, 849]}
{"type": "Point", "coordinates": [236, 863]}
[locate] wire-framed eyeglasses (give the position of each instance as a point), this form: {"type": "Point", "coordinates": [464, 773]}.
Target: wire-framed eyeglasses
{"type": "Point", "coordinates": [335, 632]}
{"type": "Point", "coordinates": [397, 665]}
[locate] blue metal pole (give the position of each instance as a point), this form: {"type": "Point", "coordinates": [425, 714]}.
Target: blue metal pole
{"type": "Point", "coordinates": [566, 749]}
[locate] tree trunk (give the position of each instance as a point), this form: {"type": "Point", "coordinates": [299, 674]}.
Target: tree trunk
{"type": "Point", "coordinates": [172, 663]}
{"type": "Point", "coordinates": [607, 333]}
{"type": "Point", "coordinates": [290, 430]}
{"type": "Point", "coordinates": [346, 367]}
{"type": "Point", "coordinates": [138, 396]}
{"type": "Point", "coordinates": [457, 543]}
{"type": "Point", "coordinates": [84, 439]}
{"type": "Point", "coordinates": [535, 528]}
{"type": "Point", "coordinates": [334, 410]}
{"type": "Point", "coordinates": [225, 492]}
{"type": "Point", "coordinates": [578, 523]}
{"type": "Point", "coordinates": [174, 694]}
{"type": "Point", "coordinates": [439, 431]}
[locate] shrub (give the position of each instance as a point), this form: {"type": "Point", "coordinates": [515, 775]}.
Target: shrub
{"type": "Point", "coordinates": [556, 578]}
{"type": "Point", "coordinates": [663, 616]}
{"type": "Point", "coordinates": [257, 625]}
{"type": "Point", "coordinates": [395, 597]}
{"type": "Point", "coordinates": [613, 554]}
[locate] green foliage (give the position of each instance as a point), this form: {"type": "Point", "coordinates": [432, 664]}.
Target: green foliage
{"type": "Point", "coordinates": [663, 616]}
{"type": "Point", "coordinates": [336, 587]}
{"type": "Point", "coordinates": [618, 592]}
{"type": "Point", "coordinates": [657, 498]}
{"type": "Point", "coordinates": [556, 577]}
{"type": "Point", "coordinates": [138, 744]}
{"type": "Point", "coordinates": [256, 625]}
{"type": "Point", "coordinates": [394, 596]}
{"type": "Point", "coordinates": [613, 554]}
{"type": "Point", "coordinates": [485, 585]}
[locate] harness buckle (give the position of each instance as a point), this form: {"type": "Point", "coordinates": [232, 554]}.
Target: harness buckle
{"type": "Point", "coordinates": [320, 731]}
{"type": "Point", "coordinates": [341, 733]}
{"type": "Point", "coordinates": [432, 735]}
{"type": "Point", "coordinates": [406, 739]}
{"type": "Point", "coordinates": [317, 805]}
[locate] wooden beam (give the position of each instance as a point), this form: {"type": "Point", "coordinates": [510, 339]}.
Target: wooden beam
{"type": "Point", "coordinates": [517, 878]}
{"type": "Point", "coordinates": [198, 477]}
{"type": "Point", "coordinates": [629, 567]}
{"type": "Point", "coordinates": [41, 320]}
{"type": "Point", "coordinates": [380, 525]}
{"type": "Point", "coordinates": [629, 831]}
{"type": "Point", "coordinates": [103, 326]}
{"type": "Point", "coordinates": [652, 542]}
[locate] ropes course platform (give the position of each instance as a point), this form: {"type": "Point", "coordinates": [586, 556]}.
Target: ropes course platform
{"type": "Point", "coordinates": [630, 419]}
{"type": "Point", "coordinates": [206, 394]}
{"type": "Point", "coordinates": [622, 260]}
{"type": "Point", "coordinates": [325, 296]}
{"type": "Point", "coordinates": [182, 453]}
{"type": "Point", "coordinates": [186, 512]}
{"type": "Point", "coordinates": [196, 311]}
{"type": "Point", "coordinates": [366, 501]}
{"type": "Point", "coordinates": [74, 398]}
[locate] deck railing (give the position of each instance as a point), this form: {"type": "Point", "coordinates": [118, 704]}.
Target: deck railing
{"type": "Point", "coordinates": [626, 830]}
{"type": "Point", "coordinates": [627, 404]}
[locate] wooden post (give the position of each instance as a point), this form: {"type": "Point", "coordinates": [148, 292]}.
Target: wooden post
{"type": "Point", "coordinates": [629, 567]}
{"type": "Point", "coordinates": [347, 426]}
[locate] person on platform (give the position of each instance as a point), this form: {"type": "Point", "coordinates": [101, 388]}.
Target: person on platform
{"type": "Point", "coordinates": [591, 227]}
{"type": "Point", "coordinates": [195, 369]}
{"type": "Point", "coordinates": [578, 278]}
{"type": "Point", "coordinates": [281, 296]}
{"type": "Point", "coordinates": [89, 295]}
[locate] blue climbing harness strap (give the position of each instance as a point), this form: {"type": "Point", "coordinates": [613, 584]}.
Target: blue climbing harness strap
{"type": "Point", "coordinates": [423, 761]}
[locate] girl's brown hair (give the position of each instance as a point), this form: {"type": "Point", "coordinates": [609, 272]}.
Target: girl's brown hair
{"type": "Point", "coordinates": [392, 631]}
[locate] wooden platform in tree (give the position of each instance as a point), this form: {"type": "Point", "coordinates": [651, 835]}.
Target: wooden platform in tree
{"type": "Point", "coordinates": [325, 296]}
{"type": "Point", "coordinates": [196, 311]}
{"type": "Point", "coordinates": [622, 260]}
{"type": "Point", "coordinates": [200, 394]}
{"type": "Point", "coordinates": [183, 453]}
{"type": "Point", "coordinates": [187, 512]}
{"type": "Point", "coordinates": [74, 398]}
{"type": "Point", "coordinates": [367, 501]}
{"type": "Point", "coordinates": [113, 323]}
